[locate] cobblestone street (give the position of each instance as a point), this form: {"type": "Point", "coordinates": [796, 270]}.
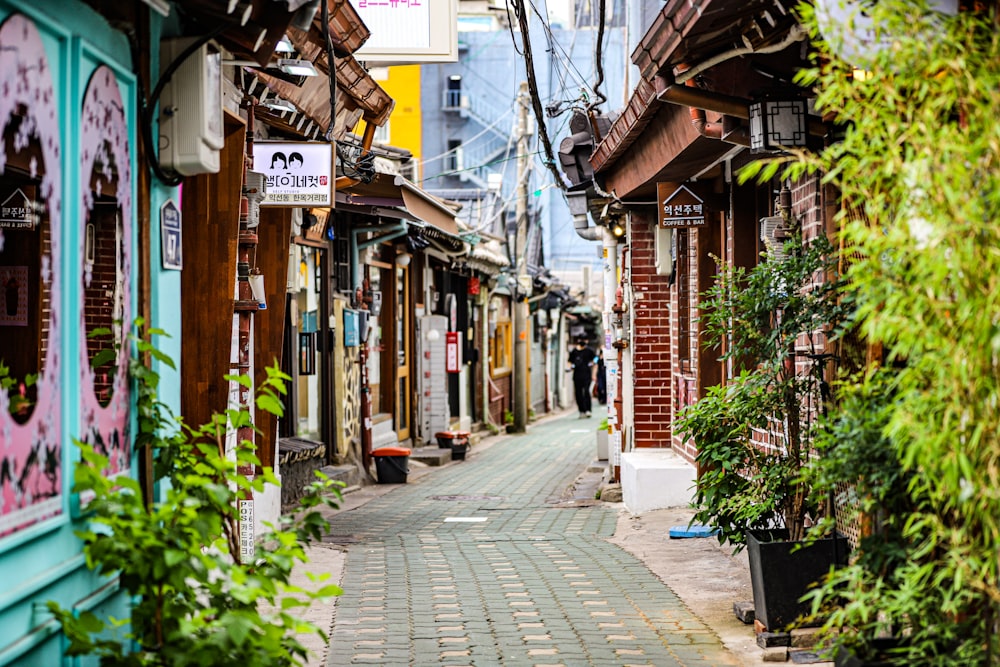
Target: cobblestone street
{"type": "Point", "coordinates": [488, 563]}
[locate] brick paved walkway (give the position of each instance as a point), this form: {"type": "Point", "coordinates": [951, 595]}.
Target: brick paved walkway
{"type": "Point", "coordinates": [476, 564]}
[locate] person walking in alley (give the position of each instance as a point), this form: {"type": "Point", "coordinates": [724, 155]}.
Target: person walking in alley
{"type": "Point", "coordinates": [581, 363]}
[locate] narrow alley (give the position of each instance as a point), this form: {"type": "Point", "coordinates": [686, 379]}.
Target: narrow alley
{"type": "Point", "coordinates": [490, 562]}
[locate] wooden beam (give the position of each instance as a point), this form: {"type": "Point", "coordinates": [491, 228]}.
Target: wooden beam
{"type": "Point", "coordinates": [211, 214]}
{"type": "Point", "coordinates": [273, 233]}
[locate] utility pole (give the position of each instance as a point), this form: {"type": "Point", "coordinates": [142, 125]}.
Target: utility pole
{"type": "Point", "coordinates": [523, 284]}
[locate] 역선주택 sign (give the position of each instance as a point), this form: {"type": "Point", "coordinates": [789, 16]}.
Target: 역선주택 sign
{"type": "Point", "coordinates": [296, 174]}
{"type": "Point", "coordinates": [679, 207]}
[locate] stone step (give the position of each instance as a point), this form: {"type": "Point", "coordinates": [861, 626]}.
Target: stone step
{"type": "Point", "coordinates": [432, 456]}
{"type": "Point", "coordinates": [348, 474]}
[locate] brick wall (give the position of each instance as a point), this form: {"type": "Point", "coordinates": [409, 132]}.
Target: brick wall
{"type": "Point", "coordinates": [808, 207]}
{"type": "Point", "coordinates": [651, 352]}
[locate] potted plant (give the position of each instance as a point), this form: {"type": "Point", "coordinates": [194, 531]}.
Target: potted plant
{"type": "Point", "coordinates": [602, 440]}
{"type": "Point", "coordinates": [755, 494]}
{"type": "Point", "coordinates": [508, 420]}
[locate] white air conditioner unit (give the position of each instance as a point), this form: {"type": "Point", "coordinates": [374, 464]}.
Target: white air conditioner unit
{"type": "Point", "coordinates": [191, 134]}
{"type": "Point", "coordinates": [773, 234]}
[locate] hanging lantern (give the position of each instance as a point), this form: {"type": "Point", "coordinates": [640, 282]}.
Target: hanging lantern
{"type": "Point", "coordinates": [777, 123]}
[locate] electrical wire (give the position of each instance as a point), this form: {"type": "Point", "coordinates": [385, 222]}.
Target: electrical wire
{"type": "Point", "coordinates": [599, 57]}
{"type": "Point", "coordinates": [550, 161]}
{"type": "Point", "coordinates": [489, 128]}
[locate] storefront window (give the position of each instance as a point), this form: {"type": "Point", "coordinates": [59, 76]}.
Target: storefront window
{"type": "Point", "coordinates": [106, 270]}
{"type": "Point", "coordinates": [30, 218]}
{"type": "Point", "coordinates": [25, 298]}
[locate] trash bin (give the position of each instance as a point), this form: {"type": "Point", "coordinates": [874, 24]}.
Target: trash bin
{"type": "Point", "coordinates": [392, 464]}
{"type": "Point", "coordinates": [456, 441]}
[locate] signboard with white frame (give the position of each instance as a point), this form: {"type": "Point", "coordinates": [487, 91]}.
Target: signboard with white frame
{"type": "Point", "coordinates": [296, 174]}
{"type": "Point", "coordinates": [409, 31]}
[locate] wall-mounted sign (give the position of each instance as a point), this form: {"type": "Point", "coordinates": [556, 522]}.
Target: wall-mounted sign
{"type": "Point", "coordinates": [295, 174]}
{"type": "Point", "coordinates": [170, 236]}
{"type": "Point", "coordinates": [452, 360]}
{"type": "Point", "coordinates": [352, 331]}
{"type": "Point", "coordinates": [409, 31]}
{"type": "Point", "coordinates": [679, 207]}
{"type": "Point", "coordinates": [18, 212]}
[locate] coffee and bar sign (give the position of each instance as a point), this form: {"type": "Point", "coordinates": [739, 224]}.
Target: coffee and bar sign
{"type": "Point", "coordinates": [679, 207]}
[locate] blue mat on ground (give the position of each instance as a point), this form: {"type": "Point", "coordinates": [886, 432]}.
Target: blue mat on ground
{"type": "Point", "coordinates": [695, 530]}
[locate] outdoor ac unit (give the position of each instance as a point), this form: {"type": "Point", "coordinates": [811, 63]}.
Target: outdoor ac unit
{"type": "Point", "coordinates": [774, 234]}
{"type": "Point", "coordinates": [191, 134]}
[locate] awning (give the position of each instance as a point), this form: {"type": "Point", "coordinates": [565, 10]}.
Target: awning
{"type": "Point", "coordinates": [392, 191]}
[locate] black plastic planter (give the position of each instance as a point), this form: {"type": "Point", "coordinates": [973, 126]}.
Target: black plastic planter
{"type": "Point", "coordinates": [846, 658]}
{"type": "Point", "coordinates": [392, 464]}
{"type": "Point", "coordinates": [781, 572]}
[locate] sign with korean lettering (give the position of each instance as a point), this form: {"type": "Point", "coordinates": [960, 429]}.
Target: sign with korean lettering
{"type": "Point", "coordinates": [451, 355]}
{"type": "Point", "coordinates": [18, 212]}
{"type": "Point", "coordinates": [170, 236]}
{"type": "Point", "coordinates": [679, 207]}
{"type": "Point", "coordinates": [247, 546]}
{"type": "Point", "coordinates": [297, 174]}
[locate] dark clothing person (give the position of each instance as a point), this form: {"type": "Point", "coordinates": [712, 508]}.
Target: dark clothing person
{"type": "Point", "coordinates": [581, 360]}
{"type": "Point", "coordinates": [601, 381]}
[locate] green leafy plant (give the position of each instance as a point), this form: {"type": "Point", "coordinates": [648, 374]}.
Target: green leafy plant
{"type": "Point", "coordinates": [193, 602]}
{"type": "Point", "coordinates": [918, 169]}
{"type": "Point", "coordinates": [19, 398]}
{"type": "Point", "coordinates": [763, 314]}
{"type": "Point", "coordinates": [603, 424]}
{"type": "Point", "coordinates": [508, 417]}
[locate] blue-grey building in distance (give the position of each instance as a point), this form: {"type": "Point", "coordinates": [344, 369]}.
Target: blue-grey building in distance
{"type": "Point", "coordinates": [469, 115]}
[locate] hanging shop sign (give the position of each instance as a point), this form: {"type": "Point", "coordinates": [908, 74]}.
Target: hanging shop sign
{"type": "Point", "coordinates": [295, 174]}
{"type": "Point", "coordinates": [679, 207]}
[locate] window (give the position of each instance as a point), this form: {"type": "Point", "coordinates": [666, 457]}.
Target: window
{"type": "Point", "coordinates": [501, 348]}
{"type": "Point", "coordinates": [454, 160]}
{"type": "Point", "coordinates": [501, 359]}
{"type": "Point", "coordinates": [453, 95]}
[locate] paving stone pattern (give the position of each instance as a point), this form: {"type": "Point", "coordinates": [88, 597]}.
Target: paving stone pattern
{"type": "Point", "coordinates": [534, 584]}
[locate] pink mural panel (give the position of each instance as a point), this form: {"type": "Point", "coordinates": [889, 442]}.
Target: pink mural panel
{"type": "Point", "coordinates": [31, 448]}
{"type": "Point", "coordinates": [104, 158]}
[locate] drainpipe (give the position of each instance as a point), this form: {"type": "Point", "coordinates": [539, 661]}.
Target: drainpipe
{"type": "Point", "coordinates": [578, 209]}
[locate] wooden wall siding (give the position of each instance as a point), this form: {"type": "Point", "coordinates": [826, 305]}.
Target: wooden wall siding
{"type": "Point", "coordinates": [274, 234]}
{"type": "Point", "coordinates": [211, 213]}
{"type": "Point", "coordinates": [652, 412]}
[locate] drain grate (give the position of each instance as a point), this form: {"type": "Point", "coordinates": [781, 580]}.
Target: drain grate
{"type": "Point", "coordinates": [466, 497]}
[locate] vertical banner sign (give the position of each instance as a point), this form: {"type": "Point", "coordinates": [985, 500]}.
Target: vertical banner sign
{"type": "Point", "coordinates": [245, 508]}
{"type": "Point", "coordinates": [679, 207]}
{"type": "Point", "coordinates": [170, 236]}
{"type": "Point", "coordinates": [452, 362]}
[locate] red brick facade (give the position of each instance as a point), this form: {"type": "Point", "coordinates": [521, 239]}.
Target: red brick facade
{"type": "Point", "coordinates": [670, 369]}
{"type": "Point", "coordinates": [652, 342]}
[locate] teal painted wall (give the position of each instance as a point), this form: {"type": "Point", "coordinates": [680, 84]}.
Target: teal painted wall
{"type": "Point", "coordinates": [44, 562]}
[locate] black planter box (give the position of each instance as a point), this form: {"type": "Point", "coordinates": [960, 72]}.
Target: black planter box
{"type": "Point", "coordinates": [845, 658]}
{"type": "Point", "coordinates": [392, 464]}
{"type": "Point", "coordinates": [781, 572]}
